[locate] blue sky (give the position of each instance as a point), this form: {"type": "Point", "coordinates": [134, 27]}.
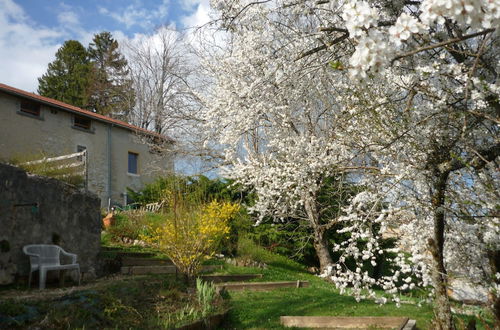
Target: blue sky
{"type": "Point", "coordinates": [31, 31]}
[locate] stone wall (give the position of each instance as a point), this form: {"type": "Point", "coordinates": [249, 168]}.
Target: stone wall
{"type": "Point", "coordinates": [40, 210]}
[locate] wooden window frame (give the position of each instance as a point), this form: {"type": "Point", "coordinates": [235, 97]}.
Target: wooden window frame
{"type": "Point", "coordinates": [25, 108]}
{"type": "Point", "coordinates": [80, 125]}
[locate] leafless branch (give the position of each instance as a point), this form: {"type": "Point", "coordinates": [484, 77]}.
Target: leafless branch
{"type": "Point", "coordinates": [478, 161]}
{"type": "Point", "coordinates": [245, 8]}
{"type": "Point", "coordinates": [442, 44]}
{"type": "Point", "coordinates": [332, 29]}
{"type": "Point", "coordinates": [322, 47]}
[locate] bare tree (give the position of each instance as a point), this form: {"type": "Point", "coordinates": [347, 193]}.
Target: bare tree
{"type": "Point", "coordinates": [160, 67]}
{"type": "Point", "coordinates": [165, 74]}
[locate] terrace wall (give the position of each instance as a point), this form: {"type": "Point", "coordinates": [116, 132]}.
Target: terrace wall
{"type": "Point", "coordinates": [40, 210]}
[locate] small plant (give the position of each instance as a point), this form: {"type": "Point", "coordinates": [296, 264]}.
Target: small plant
{"type": "Point", "coordinates": [183, 316]}
{"type": "Point", "coordinates": [11, 308]}
{"type": "Point", "coordinates": [206, 296]}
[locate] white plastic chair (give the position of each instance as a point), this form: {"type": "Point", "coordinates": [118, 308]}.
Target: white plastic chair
{"type": "Point", "coordinates": [45, 257]}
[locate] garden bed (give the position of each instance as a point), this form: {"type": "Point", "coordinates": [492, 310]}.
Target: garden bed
{"type": "Point", "coordinates": [145, 302]}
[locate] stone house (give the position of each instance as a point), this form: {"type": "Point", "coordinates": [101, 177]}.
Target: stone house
{"type": "Point", "coordinates": [119, 155]}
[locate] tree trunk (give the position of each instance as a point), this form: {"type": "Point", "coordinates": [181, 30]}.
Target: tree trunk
{"type": "Point", "coordinates": [442, 312]}
{"type": "Point", "coordinates": [320, 242]}
{"type": "Point", "coordinates": [322, 250]}
{"type": "Point", "coordinates": [494, 258]}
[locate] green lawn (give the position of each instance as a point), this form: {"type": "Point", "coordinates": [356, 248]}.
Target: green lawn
{"type": "Point", "coordinates": [263, 309]}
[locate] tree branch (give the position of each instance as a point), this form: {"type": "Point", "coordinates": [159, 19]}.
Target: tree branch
{"type": "Point", "coordinates": [477, 162]}
{"type": "Point", "coordinates": [332, 29]}
{"type": "Point", "coordinates": [442, 44]}
{"type": "Point", "coordinates": [245, 7]}
{"type": "Point", "coordinates": [322, 47]}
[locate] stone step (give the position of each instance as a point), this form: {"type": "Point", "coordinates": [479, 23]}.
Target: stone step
{"type": "Point", "coordinates": [141, 270]}
{"type": "Point", "coordinates": [170, 269]}
{"type": "Point", "coordinates": [125, 254]}
{"type": "Point", "coordinates": [261, 286]}
{"type": "Point", "coordinates": [230, 278]}
{"type": "Point", "coordinates": [335, 322]}
{"type": "Point", "coordinates": [134, 261]}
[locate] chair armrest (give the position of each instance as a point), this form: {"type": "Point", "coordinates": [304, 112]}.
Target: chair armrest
{"type": "Point", "coordinates": [72, 255]}
{"type": "Point", "coordinates": [34, 255]}
{"type": "Point", "coordinates": [31, 254]}
{"type": "Point", "coordinates": [36, 261]}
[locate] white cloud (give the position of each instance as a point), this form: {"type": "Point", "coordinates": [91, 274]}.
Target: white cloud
{"type": "Point", "coordinates": [136, 14]}
{"type": "Point", "coordinates": [201, 14]}
{"type": "Point", "coordinates": [25, 50]}
{"type": "Point", "coordinates": [68, 17]}
{"type": "Point", "coordinates": [69, 22]}
{"type": "Point", "coordinates": [13, 9]}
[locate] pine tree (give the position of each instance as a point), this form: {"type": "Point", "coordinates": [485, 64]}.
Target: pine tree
{"type": "Point", "coordinates": [67, 77]}
{"type": "Point", "coordinates": [110, 90]}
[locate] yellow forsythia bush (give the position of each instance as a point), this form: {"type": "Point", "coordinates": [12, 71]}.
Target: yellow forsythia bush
{"type": "Point", "coordinates": [188, 236]}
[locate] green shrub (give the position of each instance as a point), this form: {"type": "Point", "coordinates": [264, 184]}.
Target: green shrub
{"type": "Point", "coordinates": [106, 238]}
{"type": "Point", "coordinates": [131, 225]}
{"type": "Point", "coordinates": [291, 239]}
{"type": "Point", "coordinates": [247, 248]}
{"type": "Point", "coordinates": [195, 189]}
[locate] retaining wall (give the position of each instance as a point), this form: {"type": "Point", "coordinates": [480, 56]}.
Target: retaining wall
{"type": "Point", "coordinates": [40, 210]}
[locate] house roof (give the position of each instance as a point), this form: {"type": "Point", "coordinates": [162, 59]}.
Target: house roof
{"type": "Point", "coordinates": [70, 108]}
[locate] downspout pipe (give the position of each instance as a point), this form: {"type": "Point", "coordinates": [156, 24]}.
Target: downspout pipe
{"type": "Point", "coordinates": [108, 157]}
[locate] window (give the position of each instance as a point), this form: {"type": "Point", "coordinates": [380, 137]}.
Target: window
{"type": "Point", "coordinates": [30, 108]}
{"type": "Point", "coordinates": [132, 163]}
{"type": "Point", "coordinates": [81, 122]}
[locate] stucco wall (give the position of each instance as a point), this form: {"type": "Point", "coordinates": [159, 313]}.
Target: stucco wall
{"type": "Point", "coordinates": [54, 134]}
{"type": "Point", "coordinates": [63, 214]}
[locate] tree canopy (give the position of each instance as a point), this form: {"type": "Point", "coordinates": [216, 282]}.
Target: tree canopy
{"type": "Point", "coordinates": [67, 77]}
{"type": "Point", "coordinates": [96, 78]}
{"type": "Point", "coordinates": [110, 89]}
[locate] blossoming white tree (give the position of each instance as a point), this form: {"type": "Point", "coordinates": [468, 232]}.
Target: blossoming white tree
{"type": "Point", "coordinates": [404, 92]}
{"type": "Point", "coordinates": [279, 122]}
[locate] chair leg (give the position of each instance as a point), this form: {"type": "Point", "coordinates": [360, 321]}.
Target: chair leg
{"type": "Point", "coordinates": [29, 280]}
{"type": "Point", "coordinates": [79, 275]}
{"type": "Point", "coordinates": [43, 277]}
